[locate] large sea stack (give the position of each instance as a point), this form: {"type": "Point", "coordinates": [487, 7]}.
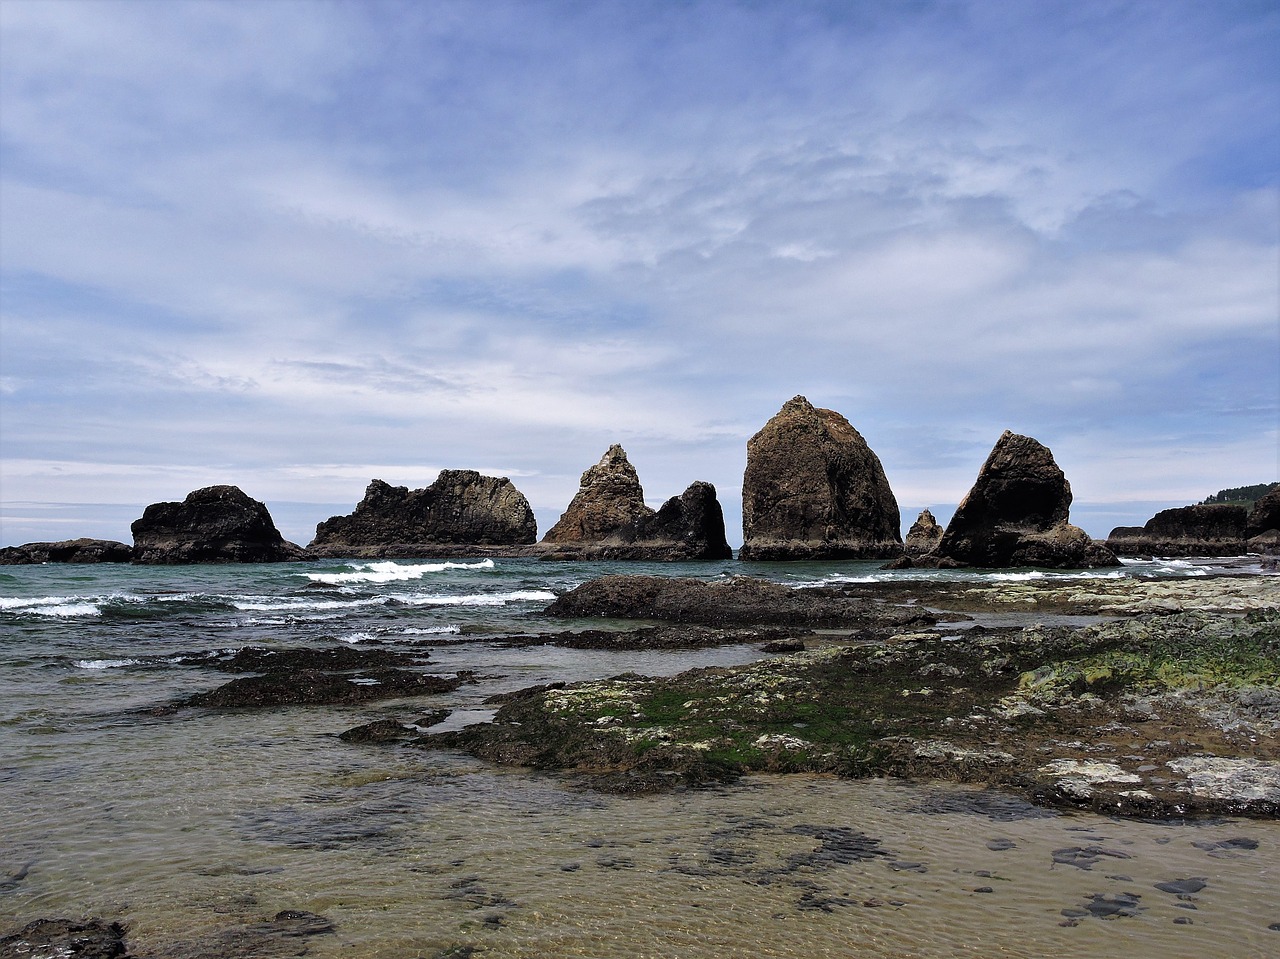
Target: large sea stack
{"type": "Point", "coordinates": [1206, 529]}
{"type": "Point", "coordinates": [813, 489]}
{"type": "Point", "coordinates": [67, 551]}
{"type": "Point", "coordinates": [1017, 514]}
{"type": "Point", "coordinates": [461, 508]}
{"type": "Point", "coordinates": [217, 524]}
{"type": "Point", "coordinates": [608, 519]}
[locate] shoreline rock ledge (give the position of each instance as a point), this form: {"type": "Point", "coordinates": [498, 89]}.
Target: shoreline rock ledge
{"type": "Point", "coordinates": [1017, 514]}
{"type": "Point", "coordinates": [217, 524]}
{"type": "Point", "coordinates": [608, 519]}
{"type": "Point", "coordinates": [461, 508]}
{"type": "Point", "coordinates": [814, 490]}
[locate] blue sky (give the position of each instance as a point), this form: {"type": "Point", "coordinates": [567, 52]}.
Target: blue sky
{"type": "Point", "coordinates": [296, 245]}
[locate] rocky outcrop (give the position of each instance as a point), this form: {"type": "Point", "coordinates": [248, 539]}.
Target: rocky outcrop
{"type": "Point", "coordinates": [608, 519]}
{"type": "Point", "coordinates": [67, 551]}
{"type": "Point", "coordinates": [1206, 529]}
{"type": "Point", "coordinates": [813, 489]}
{"type": "Point", "coordinates": [217, 524]}
{"type": "Point", "coordinates": [924, 535]}
{"type": "Point", "coordinates": [1017, 514]}
{"type": "Point", "coordinates": [1263, 529]}
{"type": "Point", "coordinates": [460, 508]}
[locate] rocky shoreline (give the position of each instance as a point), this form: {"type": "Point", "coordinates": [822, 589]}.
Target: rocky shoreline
{"type": "Point", "coordinates": [1166, 704]}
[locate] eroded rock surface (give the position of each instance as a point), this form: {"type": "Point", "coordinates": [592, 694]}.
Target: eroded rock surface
{"type": "Point", "coordinates": [1017, 514]}
{"type": "Point", "coordinates": [608, 519]}
{"type": "Point", "coordinates": [217, 524]}
{"type": "Point", "coordinates": [813, 489]}
{"type": "Point", "coordinates": [1206, 529]}
{"type": "Point", "coordinates": [924, 535]}
{"type": "Point", "coordinates": [460, 508]}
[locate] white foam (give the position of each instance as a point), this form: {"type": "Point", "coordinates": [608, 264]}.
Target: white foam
{"type": "Point", "coordinates": [105, 663]}
{"type": "Point", "coordinates": [391, 572]}
{"type": "Point", "coordinates": [480, 599]}
{"type": "Point", "coordinates": [430, 630]}
{"type": "Point", "coordinates": [355, 638]}
{"type": "Point", "coordinates": [60, 606]}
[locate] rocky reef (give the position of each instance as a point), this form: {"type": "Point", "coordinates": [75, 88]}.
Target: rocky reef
{"type": "Point", "coordinates": [1017, 514]}
{"type": "Point", "coordinates": [608, 519]}
{"type": "Point", "coordinates": [461, 508]}
{"type": "Point", "coordinates": [813, 489]}
{"type": "Point", "coordinates": [67, 551]}
{"type": "Point", "coordinates": [1149, 714]}
{"type": "Point", "coordinates": [217, 524]}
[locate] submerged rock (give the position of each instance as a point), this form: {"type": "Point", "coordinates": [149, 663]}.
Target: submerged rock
{"type": "Point", "coordinates": [813, 489]}
{"type": "Point", "coordinates": [608, 519]}
{"type": "Point", "coordinates": [1017, 514]}
{"type": "Point", "coordinates": [460, 508]}
{"type": "Point", "coordinates": [1206, 529]}
{"type": "Point", "coordinates": [67, 551]}
{"type": "Point", "coordinates": [87, 939]}
{"type": "Point", "coordinates": [217, 524]}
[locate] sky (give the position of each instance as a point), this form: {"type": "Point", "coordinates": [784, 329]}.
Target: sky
{"type": "Point", "coordinates": [295, 245]}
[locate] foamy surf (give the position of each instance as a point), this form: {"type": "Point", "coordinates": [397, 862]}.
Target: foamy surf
{"type": "Point", "coordinates": [391, 572]}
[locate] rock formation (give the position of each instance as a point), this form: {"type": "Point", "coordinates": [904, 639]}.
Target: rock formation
{"type": "Point", "coordinates": [460, 508]}
{"type": "Point", "coordinates": [924, 535]}
{"type": "Point", "coordinates": [1016, 515]}
{"type": "Point", "coordinates": [67, 551]}
{"type": "Point", "coordinates": [217, 524]}
{"type": "Point", "coordinates": [813, 489]}
{"type": "Point", "coordinates": [1206, 529]}
{"type": "Point", "coordinates": [1263, 528]}
{"type": "Point", "coordinates": [608, 519]}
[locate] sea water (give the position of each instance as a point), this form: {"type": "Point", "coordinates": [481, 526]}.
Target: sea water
{"type": "Point", "coordinates": [184, 826]}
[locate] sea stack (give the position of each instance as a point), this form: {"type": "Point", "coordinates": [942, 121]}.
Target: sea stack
{"type": "Point", "coordinates": [924, 535]}
{"type": "Point", "coordinates": [217, 524]}
{"type": "Point", "coordinates": [608, 519]}
{"type": "Point", "coordinates": [461, 508]}
{"type": "Point", "coordinates": [813, 489]}
{"type": "Point", "coordinates": [1017, 514]}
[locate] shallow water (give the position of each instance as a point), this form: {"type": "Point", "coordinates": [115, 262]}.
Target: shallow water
{"type": "Point", "coordinates": [189, 825]}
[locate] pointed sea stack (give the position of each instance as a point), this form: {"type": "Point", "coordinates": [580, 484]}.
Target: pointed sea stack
{"type": "Point", "coordinates": [461, 508]}
{"type": "Point", "coordinates": [217, 524]}
{"type": "Point", "coordinates": [608, 519]}
{"type": "Point", "coordinates": [924, 535]}
{"type": "Point", "coordinates": [813, 489]}
{"type": "Point", "coordinates": [1017, 514]}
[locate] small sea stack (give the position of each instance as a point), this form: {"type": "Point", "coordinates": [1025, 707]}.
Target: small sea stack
{"type": "Point", "coordinates": [217, 524]}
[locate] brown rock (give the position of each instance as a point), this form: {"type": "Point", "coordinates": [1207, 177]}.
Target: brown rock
{"type": "Point", "coordinates": [1016, 514]}
{"type": "Point", "coordinates": [1265, 515]}
{"type": "Point", "coordinates": [924, 535]}
{"type": "Point", "coordinates": [813, 489]}
{"type": "Point", "coordinates": [460, 507]}
{"type": "Point", "coordinates": [217, 524]}
{"type": "Point", "coordinates": [609, 498]}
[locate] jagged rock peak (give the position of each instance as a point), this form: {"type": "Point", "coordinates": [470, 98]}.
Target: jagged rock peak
{"type": "Point", "coordinates": [813, 489]}
{"type": "Point", "coordinates": [1017, 514]}
{"type": "Point", "coordinates": [609, 498]}
{"type": "Point", "coordinates": [924, 535]}
{"type": "Point", "coordinates": [461, 507]}
{"type": "Point", "coordinates": [217, 524]}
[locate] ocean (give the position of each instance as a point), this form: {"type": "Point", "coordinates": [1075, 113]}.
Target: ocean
{"type": "Point", "coordinates": [193, 827]}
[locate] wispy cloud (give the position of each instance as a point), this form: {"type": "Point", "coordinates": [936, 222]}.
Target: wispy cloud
{"type": "Point", "coordinates": [253, 239]}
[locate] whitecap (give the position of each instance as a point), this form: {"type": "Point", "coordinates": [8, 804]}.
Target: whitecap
{"type": "Point", "coordinates": [480, 599]}
{"type": "Point", "coordinates": [105, 663]}
{"type": "Point", "coordinates": [60, 606]}
{"type": "Point", "coordinates": [430, 630]}
{"type": "Point", "coordinates": [391, 572]}
{"type": "Point", "coordinates": [356, 638]}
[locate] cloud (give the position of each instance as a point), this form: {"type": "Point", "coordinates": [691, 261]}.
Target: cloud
{"type": "Point", "coordinates": [253, 240]}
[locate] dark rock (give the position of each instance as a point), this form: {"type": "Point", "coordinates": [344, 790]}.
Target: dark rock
{"type": "Point", "coordinates": [1183, 887]}
{"type": "Point", "coordinates": [739, 601]}
{"type": "Point", "coordinates": [608, 519]}
{"type": "Point", "coordinates": [1202, 530]}
{"type": "Point", "coordinates": [460, 508]}
{"type": "Point", "coordinates": [379, 731]}
{"type": "Point", "coordinates": [217, 524]}
{"type": "Point", "coordinates": [259, 659]}
{"type": "Point", "coordinates": [90, 939]}
{"type": "Point", "coordinates": [313, 687]}
{"type": "Point", "coordinates": [924, 535]}
{"type": "Point", "coordinates": [67, 551]}
{"type": "Point", "coordinates": [1265, 517]}
{"type": "Point", "coordinates": [1016, 515]}
{"type": "Point", "coordinates": [813, 489]}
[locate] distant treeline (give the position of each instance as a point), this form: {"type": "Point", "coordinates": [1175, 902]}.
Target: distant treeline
{"type": "Point", "coordinates": [1242, 495]}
